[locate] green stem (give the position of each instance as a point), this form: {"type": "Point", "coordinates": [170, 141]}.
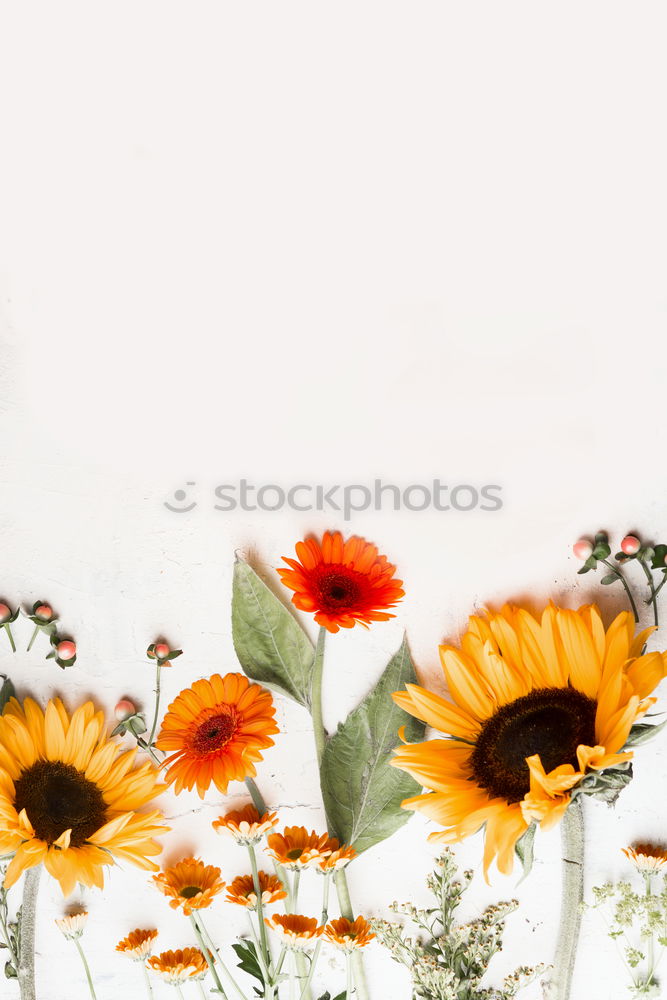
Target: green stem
{"type": "Point", "coordinates": [572, 832]}
{"type": "Point", "coordinates": [26, 966]}
{"type": "Point", "coordinates": [650, 949]}
{"type": "Point", "coordinates": [620, 576]}
{"type": "Point", "coordinates": [316, 696]}
{"type": "Point", "coordinates": [157, 703]}
{"type": "Point", "coordinates": [147, 979]}
{"type": "Point", "coordinates": [214, 952]}
{"type": "Point", "coordinates": [179, 991]}
{"type": "Point", "coordinates": [348, 986]}
{"type": "Point", "coordinates": [201, 988]}
{"type": "Point", "coordinates": [264, 941]}
{"type": "Point", "coordinates": [346, 911]}
{"type": "Point", "coordinates": [8, 630]}
{"type": "Point", "coordinates": [318, 946]}
{"type": "Point", "coordinates": [256, 796]}
{"type": "Point", "coordinates": [207, 955]}
{"type": "Point", "coordinates": [34, 636]}
{"type": "Point", "coordinates": [651, 586]}
{"type": "Point", "coordinates": [86, 967]}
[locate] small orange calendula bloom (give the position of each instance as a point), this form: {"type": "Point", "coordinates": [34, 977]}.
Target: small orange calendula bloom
{"type": "Point", "coordinates": [246, 825]}
{"type": "Point", "coordinates": [296, 848]}
{"type": "Point", "coordinates": [215, 732]}
{"type": "Point", "coordinates": [177, 967]}
{"type": "Point", "coordinates": [338, 859]}
{"type": "Point", "coordinates": [191, 884]}
{"type": "Point", "coordinates": [138, 944]}
{"type": "Point", "coordinates": [242, 890]}
{"type": "Point", "coordinates": [349, 935]}
{"type": "Point", "coordinates": [344, 583]}
{"type": "Point", "coordinates": [296, 931]}
{"type": "Point", "coordinates": [647, 858]}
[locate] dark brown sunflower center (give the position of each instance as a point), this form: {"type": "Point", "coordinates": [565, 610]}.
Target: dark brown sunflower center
{"type": "Point", "coordinates": [215, 732]}
{"type": "Point", "coordinates": [190, 891]}
{"type": "Point", "coordinates": [57, 797]}
{"type": "Point", "coordinates": [338, 589]}
{"type": "Point", "coordinates": [551, 722]}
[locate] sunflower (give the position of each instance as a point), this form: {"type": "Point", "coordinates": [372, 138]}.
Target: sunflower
{"type": "Point", "coordinates": [176, 967]}
{"type": "Point", "coordinates": [344, 583]}
{"type": "Point", "coordinates": [647, 858]}
{"type": "Point", "coordinates": [191, 884]}
{"type": "Point", "coordinates": [242, 890]}
{"type": "Point", "coordinates": [349, 935]}
{"type": "Point", "coordinates": [72, 926]}
{"type": "Point", "coordinates": [296, 848]}
{"type": "Point", "coordinates": [537, 703]}
{"type": "Point", "coordinates": [215, 731]}
{"type": "Point", "coordinates": [69, 797]}
{"type": "Point", "coordinates": [246, 825]}
{"type": "Point", "coordinates": [138, 944]}
{"type": "Point", "coordinates": [297, 932]}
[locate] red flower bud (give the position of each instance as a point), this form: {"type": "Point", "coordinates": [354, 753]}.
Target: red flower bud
{"type": "Point", "coordinates": [44, 611]}
{"type": "Point", "coordinates": [5, 613]}
{"type": "Point", "coordinates": [66, 650]}
{"type": "Point", "coordinates": [630, 545]}
{"type": "Point", "coordinates": [161, 650]}
{"type": "Point", "coordinates": [124, 709]}
{"type": "Point", "coordinates": [582, 549]}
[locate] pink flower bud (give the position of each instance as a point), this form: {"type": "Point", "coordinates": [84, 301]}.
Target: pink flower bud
{"type": "Point", "coordinates": [44, 611]}
{"type": "Point", "coordinates": [124, 709]}
{"type": "Point", "coordinates": [582, 549]}
{"type": "Point", "coordinates": [161, 650]}
{"type": "Point", "coordinates": [5, 613]}
{"type": "Point", "coordinates": [66, 650]}
{"type": "Point", "coordinates": [630, 545]}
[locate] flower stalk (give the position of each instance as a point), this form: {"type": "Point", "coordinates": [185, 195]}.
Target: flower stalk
{"type": "Point", "coordinates": [572, 831]}
{"type": "Point", "coordinates": [26, 964]}
{"type": "Point", "coordinates": [86, 967]}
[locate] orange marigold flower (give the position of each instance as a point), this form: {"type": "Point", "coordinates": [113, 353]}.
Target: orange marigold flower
{"type": "Point", "coordinates": [242, 890]}
{"type": "Point", "coordinates": [176, 967]}
{"type": "Point", "coordinates": [647, 858]}
{"type": "Point", "coordinates": [338, 858]}
{"type": "Point", "coordinates": [348, 935]}
{"type": "Point", "coordinates": [246, 825]}
{"type": "Point", "coordinates": [296, 848]}
{"type": "Point", "coordinates": [191, 884]}
{"type": "Point", "coordinates": [296, 931]}
{"type": "Point", "coordinates": [344, 583]}
{"type": "Point", "coordinates": [138, 944]}
{"type": "Point", "coordinates": [215, 731]}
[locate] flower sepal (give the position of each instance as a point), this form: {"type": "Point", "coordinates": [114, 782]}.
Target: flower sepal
{"type": "Point", "coordinates": [63, 651]}
{"type": "Point", "coordinates": [134, 724]}
{"type": "Point", "coordinates": [606, 785]}
{"type": "Point", "coordinates": [161, 652]}
{"type": "Point", "coordinates": [601, 550]}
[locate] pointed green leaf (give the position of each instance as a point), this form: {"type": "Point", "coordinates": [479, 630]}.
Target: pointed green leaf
{"type": "Point", "coordinates": [7, 691]}
{"type": "Point", "coordinates": [643, 733]}
{"type": "Point", "coordinates": [271, 645]}
{"type": "Point", "coordinates": [609, 579]}
{"type": "Point", "coordinates": [525, 849]}
{"type": "Point", "coordinates": [362, 792]}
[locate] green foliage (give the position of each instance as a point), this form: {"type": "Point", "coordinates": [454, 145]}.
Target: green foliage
{"type": "Point", "coordinates": [447, 961]}
{"type": "Point", "coordinates": [362, 792]}
{"type": "Point", "coordinates": [248, 962]}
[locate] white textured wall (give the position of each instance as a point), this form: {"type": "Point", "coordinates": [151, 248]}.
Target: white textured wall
{"type": "Point", "coordinates": [323, 243]}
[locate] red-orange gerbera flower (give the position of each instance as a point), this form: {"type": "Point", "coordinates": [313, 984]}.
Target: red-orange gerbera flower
{"type": "Point", "coordinates": [246, 825]}
{"type": "Point", "coordinates": [296, 848]}
{"type": "Point", "coordinates": [349, 935]}
{"type": "Point", "coordinates": [242, 890]}
{"type": "Point", "coordinates": [296, 931]}
{"type": "Point", "coordinates": [138, 944]}
{"type": "Point", "coordinates": [190, 884]}
{"type": "Point", "coordinates": [215, 732]}
{"type": "Point", "coordinates": [342, 582]}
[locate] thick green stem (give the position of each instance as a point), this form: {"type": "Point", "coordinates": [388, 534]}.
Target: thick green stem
{"type": "Point", "coordinates": [346, 910]}
{"type": "Point", "coordinates": [348, 987]}
{"type": "Point", "coordinates": [26, 969]}
{"type": "Point", "coordinates": [33, 637]}
{"type": "Point", "coordinates": [572, 829]}
{"type": "Point", "coordinates": [316, 696]}
{"type": "Point", "coordinates": [8, 630]}
{"type": "Point", "coordinates": [86, 967]}
{"type": "Point", "coordinates": [158, 670]}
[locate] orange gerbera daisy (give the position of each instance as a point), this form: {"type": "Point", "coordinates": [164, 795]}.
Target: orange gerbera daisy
{"type": "Point", "coordinates": [342, 582]}
{"type": "Point", "coordinates": [176, 967]}
{"type": "Point", "coordinates": [647, 858]}
{"type": "Point", "coordinates": [138, 944]}
{"type": "Point", "coordinates": [246, 825]}
{"type": "Point", "coordinates": [191, 884]}
{"type": "Point", "coordinates": [215, 731]}
{"type": "Point", "coordinates": [339, 858]}
{"type": "Point", "coordinates": [70, 797]}
{"type": "Point", "coordinates": [537, 703]}
{"type": "Point", "coordinates": [349, 935]}
{"type": "Point", "coordinates": [296, 848]}
{"type": "Point", "coordinates": [242, 890]}
{"type": "Point", "coordinates": [297, 932]}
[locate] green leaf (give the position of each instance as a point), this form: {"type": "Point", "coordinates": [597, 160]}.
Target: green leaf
{"type": "Point", "coordinates": [362, 792]}
{"type": "Point", "coordinates": [271, 645]}
{"type": "Point", "coordinates": [658, 561]}
{"type": "Point", "coordinates": [248, 961]}
{"type": "Point", "coordinates": [525, 849]}
{"type": "Point", "coordinates": [642, 733]}
{"type": "Point", "coordinates": [7, 691]}
{"type": "Point", "coordinates": [608, 579]}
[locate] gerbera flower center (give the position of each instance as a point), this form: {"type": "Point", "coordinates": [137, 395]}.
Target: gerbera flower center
{"type": "Point", "coordinates": [551, 722]}
{"type": "Point", "coordinates": [190, 891]}
{"type": "Point", "coordinates": [337, 588]}
{"type": "Point", "coordinates": [57, 797]}
{"type": "Point", "coordinates": [215, 732]}
{"type": "Point", "coordinates": [294, 854]}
